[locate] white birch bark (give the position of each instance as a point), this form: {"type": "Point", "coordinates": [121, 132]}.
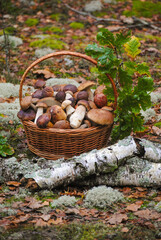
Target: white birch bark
{"type": "Point", "coordinates": [111, 166]}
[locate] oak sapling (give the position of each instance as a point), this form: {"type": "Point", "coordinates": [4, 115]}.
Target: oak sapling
{"type": "Point", "coordinates": [116, 56]}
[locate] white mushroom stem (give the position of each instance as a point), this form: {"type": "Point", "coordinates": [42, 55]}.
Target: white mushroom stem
{"type": "Point", "coordinates": [77, 117]}
{"type": "Point", "coordinates": [55, 94]}
{"type": "Point", "coordinates": [38, 114]}
{"type": "Point", "coordinates": [90, 94]}
{"type": "Point", "coordinates": [68, 96]}
{"type": "Point", "coordinates": [67, 105]}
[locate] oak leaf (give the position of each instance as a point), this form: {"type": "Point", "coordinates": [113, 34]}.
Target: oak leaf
{"type": "Point", "coordinates": [117, 218]}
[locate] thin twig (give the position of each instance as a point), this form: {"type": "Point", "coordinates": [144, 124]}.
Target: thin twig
{"type": "Point", "coordinates": [90, 15]}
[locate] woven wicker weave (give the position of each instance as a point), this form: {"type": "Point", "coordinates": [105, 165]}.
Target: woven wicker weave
{"type": "Point", "coordinates": [56, 143]}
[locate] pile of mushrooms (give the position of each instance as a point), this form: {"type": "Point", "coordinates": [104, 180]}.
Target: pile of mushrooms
{"type": "Point", "coordinates": [66, 106]}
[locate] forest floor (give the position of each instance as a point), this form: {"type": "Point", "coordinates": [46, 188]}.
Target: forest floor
{"type": "Point", "coordinates": [30, 215]}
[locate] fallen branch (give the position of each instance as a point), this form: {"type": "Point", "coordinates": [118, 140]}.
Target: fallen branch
{"type": "Point", "coordinates": [113, 166]}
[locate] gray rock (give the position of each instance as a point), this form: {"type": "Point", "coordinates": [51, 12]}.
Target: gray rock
{"type": "Point", "coordinates": [53, 81]}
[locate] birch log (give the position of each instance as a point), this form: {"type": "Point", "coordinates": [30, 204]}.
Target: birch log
{"type": "Point", "coordinates": [117, 165]}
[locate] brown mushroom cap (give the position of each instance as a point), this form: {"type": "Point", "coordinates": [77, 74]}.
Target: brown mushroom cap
{"type": "Point", "coordinates": [110, 109]}
{"type": "Point", "coordinates": [43, 120]}
{"type": "Point", "coordinates": [62, 124]}
{"type": "Point", "coordinates": [57, 113]}
{"type": "Point", "coordinates": [41, 105]}
{"type": "Point", "coordinates": [60, 96]}
{"type": "Point", "coordinates": [92, 104]}
{"type": "Point", "coordinates": [101, 117]}
{"type": "Point", "coordinates": [35, 100]}
{"type": "Point", "coordinates": [27, 115]}
{"type": "Point", "coordinates": [47, 92]}
{"type": "Point", "coordinates": [50, 101]}
{"type": "Point", "coordinates": [26, 102]}
{"type": "Point", "coordinates": [100, 100]}
{"type": "Point", "coordinates": [70, 87]}
{"type": "Point", "coordinates": [86, 85]}
{"type": "Point", "coordinates": [58, 87]}
{"type": "Point", "coordinates": [99, 89]}
{"type": "Point", "coordinates": [82, 95]}
{"type": "Point", "coordinates": [40, 84]}
{"type": "Point", "coordinates": [84, 103]}
{"type": "Point", "coordinates": [37, 94]}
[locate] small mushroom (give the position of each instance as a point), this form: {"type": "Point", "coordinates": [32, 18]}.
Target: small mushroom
{"type": "Point", "coordinates": [62, 124]}
{"type": "Point", "coordinates": [70, 87]}
{"type": "Point", "coordinates": [27, 115]}
{"type": "Point", "coordinates": [26, 102]}
{"type": "Point", "coordinates": [100, 117]}
{"type": "Point", "coordinates": [86, 124]}
{"type": "Point", "coordinates": [92, 104]}
{"type": "Point", "coordinates": [69, 95]}
{"type": "Point", "coordinates": [58, 87]}
{"type": "Point", "coordinates": [67, 105]}
{"type": "Point", "coordinates": [43, 120]}
{"type": "Point", "coordinates": [40, 108]}
{"type": "Point", "coordinates": [82, 95]}
{"type": "Point", "coordinates": [50, 101]}
{"type": "Point", "coordinates": [57, 113]}
{"type": "Point", "coordinates": [40, 84]}
{"type": "Point", "coordinates": [86, 86]}
{"type": "Point", "coordinates": [100, 100]}
{"type": "Point", "coordinates": [110, 109]}
{"type": "Point", "coordinates": [99, 89]}
{"type": "Point", "coordinates": [77, 117]}
{"type": "Point", "coordinates": [37, 94]}
{"type": "Point", "coordinates": [60, 96]}
{"type": "Point", "coordinates": [47, 92]}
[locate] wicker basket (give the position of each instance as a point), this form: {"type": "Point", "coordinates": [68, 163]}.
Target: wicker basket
{"type": "Point", "coordinates": [53, 143]}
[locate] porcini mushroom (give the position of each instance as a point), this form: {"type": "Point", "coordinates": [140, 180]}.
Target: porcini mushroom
{"type": "Point", "coordinates": [67, 105]}
{"type": "Point", "coordinates": [60, 96]}
{"type": "Point", "coordinates": [70, 87]}
{"type": "Point", "coordinates": [77, 117]}
{"type": "Point", "coordinates": [50, 101]}
{"type": "Point", "coordinates": [57, 113]}
{"type": "Point", "coordinates": [27, 115]}
{"type": "Point", "coordinates": [26, 102]}
{"type": "Point", "coordinates": [86, 86]}
{"type": "Point", "coordinates": [100, 100]}
{"type": "Point", "coordinates": [100, 117]}
{"type": "Point", "coordinates": [62, 124]}
{"type": "Point", "coordinates": [82, 95]}
{"type": "Point", "coordinates": [47, 92]}
{"type": "Point", "coordinates": [40, 108]}
{"type": "Point", "coordinates": [43, 120]}
{"type": "Point", "coordinates": [37, 94]}
{"type": "Point", "coordinates": [39, 84]}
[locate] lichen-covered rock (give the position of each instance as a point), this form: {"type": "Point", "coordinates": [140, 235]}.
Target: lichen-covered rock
{"type": "Point", "coordinates": [42, 52]}
{"type": "Point", "coordinates": [13, 41]}
{"type": "Point", "coordinates": [93, 6]}
{"type": "Point", "coordinates": [54, 81]}
{"type": "Point", "coordinates": [148, 114]}
{"type": "Point", "coordinates": [158, 207]}
{"type": "Point", "coordinates": [66, 201]}
{"type": "Point", "coordinates": [10, 90]}
{"type": "Point", "coordinates": [10, 111]}
{"type": "Point", "coordinates": [102, 197]}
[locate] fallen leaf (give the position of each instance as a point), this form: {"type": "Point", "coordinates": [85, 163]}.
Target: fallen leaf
{"type": "Point", "coordinates": [117, 218]}
{"type": "Point", "coordinates": [34, 204]}
{"type": "Point", "coordinates": [22, 218]}
{"type": "Point", "coordinates": [45, 72]}
{"type": "Point", "coordinates": [124, 229]}
{"type": "Point", "coordinates": [45, 217]}
{"type": "Point", "coordinates": [156, 130]}
{"type": "Point", "coordinates": [147, 214]}
{"type": "Point", "coordinates": [55, 222]}
{"type": "Point", "coordinates": [72, 211]}
{"type": "Point", "coordinates": [1, 199]}
{"type": "Point", "coordinates": [134, 207]}
{"type": "Point", "coordinates": [41, 223]}
{"type": "Point", "coordinates": [13, 183]}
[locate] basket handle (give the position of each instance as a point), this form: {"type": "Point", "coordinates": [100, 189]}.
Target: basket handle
{"type": "Point", "coordinates": [55, 54]}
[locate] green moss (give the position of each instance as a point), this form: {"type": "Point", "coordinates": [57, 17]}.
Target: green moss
{"type": "Point", "coordinates": [75, 37]}
{"type": "Point", "coordinates": [76, 25]}
{"type": "Point", "coordinates": [149, 37]}
{"type": "Point", "coordinates": [56, 16]}
{"type": "Point", "coordinates": [8, 30]}
{"type": "Point", "coordinates": [30, 22]}
{"type": "Point", "coordinates": [158, 124]}
{"type": "Point", "coordinates": [48, 42]}
{"type": "Point", "coordinates": [51, 29]}
{"type": "Point", "coordinates": [143, 9]}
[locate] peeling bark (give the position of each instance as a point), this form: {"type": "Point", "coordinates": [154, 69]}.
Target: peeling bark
{"type": "Point", "coordinates": [114, 165]}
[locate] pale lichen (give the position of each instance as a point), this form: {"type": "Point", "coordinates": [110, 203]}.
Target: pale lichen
{"type": "Point", "coordinates": [93, 6]}
{"type": "Point", "coordinates": [158, 207]}
{"type": "Point", "coordinates": [13, 41]}
{"type": "Point", "coordinates": [102, 197]}
{"type": "Point", "coordinates": [66, 201]}
{"type": "Point", "coordinates": [148, 114]}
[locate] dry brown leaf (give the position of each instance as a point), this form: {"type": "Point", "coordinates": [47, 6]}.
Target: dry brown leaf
{"type": "Point", "coordinates": [156, 131]}
{"type": "Point", "coordinates": [134, 206]}
{"type": "Point", "coordinates": [55, 222]}
{"type": "Point", "coordinates": [117, 218]}
{"type": "Point", "coordinates": [45, 217]}
{"type": "Point", "coordinates": [47, 74]}
{"type": "Point", "coordinates": [22, 218]}
{"type": "Point", "coordinates": [147, 214]}
{"type": "Point", "coordinates": [13, 183]}
{"type": "Point", "coordinates": [1, 199]}
{"type": "Point", "coordinates": [40, 223]}
{"type": "Point", "coordinates": [124, 229]}
{"type": "Point", "coordinates": [34, 204]}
